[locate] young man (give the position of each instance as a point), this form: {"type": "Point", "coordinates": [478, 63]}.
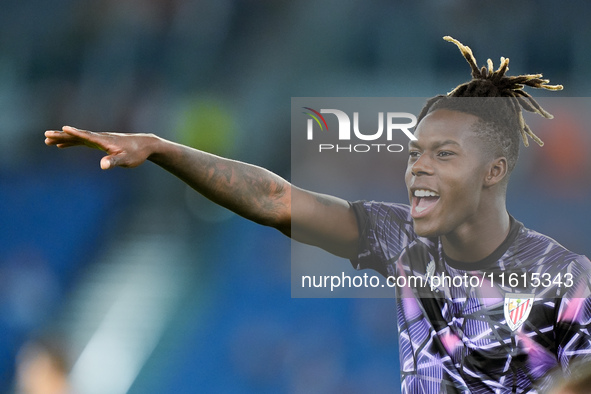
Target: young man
{"type": "Point", "coordinates": [502, 333]}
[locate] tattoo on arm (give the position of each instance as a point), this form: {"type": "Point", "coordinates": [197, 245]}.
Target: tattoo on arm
{"type": "Point", "coordinates": [248, 190]}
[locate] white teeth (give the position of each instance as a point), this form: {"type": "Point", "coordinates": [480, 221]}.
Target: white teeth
{"type": "Point", "coordinates": [425, 193]}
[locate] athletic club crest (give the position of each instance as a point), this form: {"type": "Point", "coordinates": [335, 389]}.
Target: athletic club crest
{"type": "Point", "coordinates": [517, 309]}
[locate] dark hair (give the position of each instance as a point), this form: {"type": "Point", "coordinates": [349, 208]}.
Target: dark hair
{"type": "Point", "coordinates": [497, 100]}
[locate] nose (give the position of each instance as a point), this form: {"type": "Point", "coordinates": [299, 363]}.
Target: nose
{"type": "Point", "coordinates": [422, 166]}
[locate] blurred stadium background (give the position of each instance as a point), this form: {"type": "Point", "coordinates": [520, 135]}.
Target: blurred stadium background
{"type": "Point", "coordinates": [144, 287]}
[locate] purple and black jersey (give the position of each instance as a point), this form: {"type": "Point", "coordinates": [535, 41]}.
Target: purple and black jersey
{"type": "Point", "coordinates": [499, 325]}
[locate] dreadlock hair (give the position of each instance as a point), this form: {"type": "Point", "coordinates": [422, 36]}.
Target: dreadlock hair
{"type": "Point", "coordinates": [497, 100]}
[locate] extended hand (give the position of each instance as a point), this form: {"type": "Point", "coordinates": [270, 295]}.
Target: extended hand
{"type": "Point", "coordinates": [124, 150]}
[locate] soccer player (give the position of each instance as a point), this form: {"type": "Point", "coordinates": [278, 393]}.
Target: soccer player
{"type": "Point", "coordinates": [527, 313]}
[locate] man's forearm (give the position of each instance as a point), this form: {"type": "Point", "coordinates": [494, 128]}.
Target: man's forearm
{"type": "Point", "coordinates": [252, 192]}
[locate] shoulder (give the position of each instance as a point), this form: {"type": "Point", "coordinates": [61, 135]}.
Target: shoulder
{"type": "Point", "coordinates": [540, 249]}
{"type": "Point", "coordinates": [383, 210]}
{"type": "Point", "coordinates": [384, 218]}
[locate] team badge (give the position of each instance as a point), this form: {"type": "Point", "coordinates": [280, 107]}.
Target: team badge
{"type": "Point", "coordinates": [517, 309]}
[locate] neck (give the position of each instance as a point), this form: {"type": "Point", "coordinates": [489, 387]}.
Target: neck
{"type": "Point", "coordinates": [476, 240]}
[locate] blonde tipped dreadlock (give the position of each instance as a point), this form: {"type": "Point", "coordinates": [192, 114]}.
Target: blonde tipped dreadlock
{"type": "Point", "coordinates": [497, 100]}
{"type": "Point", "coordinates": [511, 87]}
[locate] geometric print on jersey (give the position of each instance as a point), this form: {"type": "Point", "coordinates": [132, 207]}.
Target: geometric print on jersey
{"type": "Point", "coordinates": [456, 339]}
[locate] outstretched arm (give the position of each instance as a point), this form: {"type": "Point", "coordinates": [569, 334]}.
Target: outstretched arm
{"type": "Point", "coordinates": [252, 192]}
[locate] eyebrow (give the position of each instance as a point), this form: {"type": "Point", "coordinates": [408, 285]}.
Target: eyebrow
{"type": "Point", "coordinates": [435, 145]}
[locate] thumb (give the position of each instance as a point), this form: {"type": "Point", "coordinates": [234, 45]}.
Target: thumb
{"type": "Point", "coordinates": [108, 162]}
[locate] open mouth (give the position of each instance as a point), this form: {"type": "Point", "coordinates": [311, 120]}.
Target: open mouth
{"type": "Point", "coordinates": [423, 201]}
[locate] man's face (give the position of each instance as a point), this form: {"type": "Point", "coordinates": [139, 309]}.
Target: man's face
{"type": "Point", "coordinates": [445, 173]}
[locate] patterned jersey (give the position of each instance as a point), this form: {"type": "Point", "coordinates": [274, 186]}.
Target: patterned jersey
{"type": "Point", "coordinates": [499, 325]}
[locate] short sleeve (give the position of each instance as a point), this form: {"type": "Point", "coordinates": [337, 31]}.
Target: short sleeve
{"type": "Point", "coordinates": [574, 317]}
{"type": "Point", "coordinates": [385, 229]}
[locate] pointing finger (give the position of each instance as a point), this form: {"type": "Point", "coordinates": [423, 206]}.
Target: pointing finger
{"type": "Point", "coordinates": [66, 145]}
{"type": "Point", "coordinates": [84, 134]}
{"type": "Point", "coordinates": [95, 140]}
{"type": "Point", "coordinates": [77, 132]}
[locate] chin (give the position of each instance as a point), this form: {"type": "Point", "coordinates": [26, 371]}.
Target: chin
{"type": "Point", "coordinates": [424, 230]}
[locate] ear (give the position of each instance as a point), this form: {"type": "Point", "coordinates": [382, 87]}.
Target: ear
{"type": "Point", "coordinates": [497, 171]}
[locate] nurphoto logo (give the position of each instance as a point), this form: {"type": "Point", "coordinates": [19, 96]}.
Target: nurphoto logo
{"type": "Point", "coordinates": [395, 122]}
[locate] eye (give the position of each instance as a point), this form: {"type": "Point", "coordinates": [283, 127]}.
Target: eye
{"type": "Point", "coordinates": [445, 153]}
{"type": "Point", "coordinates": [414, 153]}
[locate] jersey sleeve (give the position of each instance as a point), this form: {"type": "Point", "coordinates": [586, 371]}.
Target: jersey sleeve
{"type": "Point", "coordinates": [385, 229]}
{"type": "Point", "coordinates": [573, 322]}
